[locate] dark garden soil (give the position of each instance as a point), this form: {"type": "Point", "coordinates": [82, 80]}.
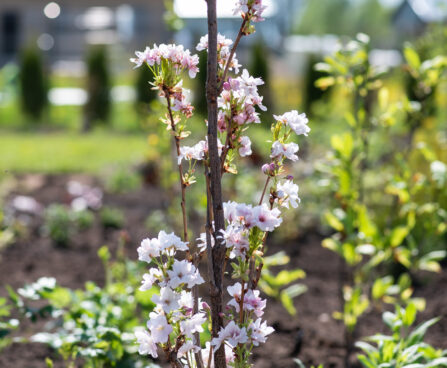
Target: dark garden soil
{"type": "Point", "coordinates": [313, 335]}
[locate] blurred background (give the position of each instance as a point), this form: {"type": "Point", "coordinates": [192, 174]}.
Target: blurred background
{"type": "Point", "coordinates": [85, 161]}
{"type": "Point", "coordinates": [60, 45]}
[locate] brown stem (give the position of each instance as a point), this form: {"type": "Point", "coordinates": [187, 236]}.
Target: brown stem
{"type": "Point", "coordinates": [265, 188]}
{"type": "Point", "coordinates": [226, 147]}
{"type": "Point", "coordinates": [254, 277]}
{"type": "Point", "coordinates": [233, 50]}
{"type": "Point", "coordinates": [218, 251]}
{"type": "Point", "coordinates": [198, 355]}
{"type": "Point", "coordinates": [180, 169]}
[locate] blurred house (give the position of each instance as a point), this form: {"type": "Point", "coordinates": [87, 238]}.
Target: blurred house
{"type": "Point", "coordinates": [65, 28]}
{"type": "Point", "coordinates": [412, 16]}
{"type": "Point", "coordinates": [279, 18]}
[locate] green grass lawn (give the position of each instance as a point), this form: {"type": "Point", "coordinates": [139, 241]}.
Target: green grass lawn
{"type": "Point", "coordinates": [68, 152]}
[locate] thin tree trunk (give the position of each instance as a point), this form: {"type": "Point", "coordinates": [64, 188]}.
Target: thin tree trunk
{"type": "Point", "coordinates": [218, 252]}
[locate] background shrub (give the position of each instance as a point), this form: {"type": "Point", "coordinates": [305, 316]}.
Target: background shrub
{"type": "Point", "coordinates": [33, 83]}
{"type": "Point", "coordinates": [143, 90]}
{"type": "Point", "coordinates": [98, 104]}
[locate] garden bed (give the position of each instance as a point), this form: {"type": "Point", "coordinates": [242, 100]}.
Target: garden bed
{"type": "Point", "coordinates": [313, 335]}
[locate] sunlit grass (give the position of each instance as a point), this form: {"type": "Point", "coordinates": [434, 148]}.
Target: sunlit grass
{"type": "Point", "coordinates": [65, 152]}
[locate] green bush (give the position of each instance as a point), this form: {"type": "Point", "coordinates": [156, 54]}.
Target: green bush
{"type": "Point", "coordinates": [33, 84]}
{"type": "Point", "coordinates": [98, 104]}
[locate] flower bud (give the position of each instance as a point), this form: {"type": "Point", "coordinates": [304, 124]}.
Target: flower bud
{"type": "Point", "coordinates": [205, 306]}
{"type": "Point", "coordinates": [269, 169]}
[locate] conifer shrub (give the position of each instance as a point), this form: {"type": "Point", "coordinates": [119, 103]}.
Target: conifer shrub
{"type": "Point", "coordinates": [97, 108]}
{"type": "Point", "coordinates": [33, 84]}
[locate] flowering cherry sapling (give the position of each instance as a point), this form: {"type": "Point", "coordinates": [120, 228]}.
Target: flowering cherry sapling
{"type": "Point", "coordinates": [180, 315]}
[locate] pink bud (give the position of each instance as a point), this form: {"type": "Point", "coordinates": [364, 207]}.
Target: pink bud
{"type": "Point", "coordinates": [205, 306]}
{"type": "Point", "coordinates": [226, 86]}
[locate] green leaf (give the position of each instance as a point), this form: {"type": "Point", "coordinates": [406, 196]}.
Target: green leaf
{"type": "Point", "coordinates": [333, 221]}
{"type": "Point", "coordinates": [295, 290]}
{"type": "Point", "coordinates": [366, 225]}
{"type": "Point", "coordinates": [418, 334]}
{"type": "Point", "coordinates": [287, 303]}
{"type": "Point", "coordinates": [343, 144]}
{"type": "Point", "coordinates": [398, 235]}
{"type": "Point", "coordinates": [412, 57]}
{"type": "Point", "coordinates": [410, 314]}
{"type": "Point", "coordinates": [286, 277]}
{"type": "Point", "coordinates": [277, 259]}
{"type": "Point", "coordinates": [331, 244]}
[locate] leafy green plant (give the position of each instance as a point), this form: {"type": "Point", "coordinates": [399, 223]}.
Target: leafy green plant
{"type": "Point", "coordinates": [7, 323]}
{"type": "Point", "coordinates": [59, 224]}
{"type": "Point", "coordinates": [94, 324]}
{"type": "Point", "coordinates": [405, 347]}
{"type": "Point", "coordinates": [83, 219]}
{"type": "Point", "coordinates": [281, 286]}
{"type": "Point", "coordinates": [367, 244]}
{"type": "Point", "coordinates": [111, 217]}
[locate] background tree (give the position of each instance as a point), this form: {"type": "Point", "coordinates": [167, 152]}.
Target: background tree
{"type": "Point", "coordinates": [352, 17]}
{"type": "Point", "coordinates": [33, 83]}
{"type": "Point", "coordinates": [98, 104]}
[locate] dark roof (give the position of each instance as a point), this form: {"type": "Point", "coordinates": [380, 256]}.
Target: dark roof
{"type": "Point", "coordinates": [428, 11]}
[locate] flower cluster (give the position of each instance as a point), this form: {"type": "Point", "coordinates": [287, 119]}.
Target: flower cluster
{"type": "Point", "coordinates": [175, 303]}
{"type": "Point", "coordinates": [175, 56]}
{"type": "Point", "coordinates": [167, 62]}
{"type": "Point", "coordinates": [249, 331]}
{"type": "Point", "coordinates": [296, 121]}
{"type": "Point", "coordinates": [197, 152]}
{"type": "Point", "coordinates": [223, 52]}
{"type": "Point", "coordinates": [246, 216]}
{"type": "Point", "coordinates": [250, 9]}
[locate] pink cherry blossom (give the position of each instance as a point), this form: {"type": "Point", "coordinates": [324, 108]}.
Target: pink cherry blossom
{"type": "Point", "coordinates": [297, 122]}
{"type": "Point", "coordinates": [258, 331]}
{"type": "Point", "coordinates": [168, 299]}
{"type": "Point", "coordinates": [146, 343]}
{"type": "Point", "coordinates": [287, 150]}
{"type": "Point", "coordinates": [287, 192]}
{"type": "Point", "coordinates": [245, 148]}
{"type": "Point", "coordinates": [160, 328]}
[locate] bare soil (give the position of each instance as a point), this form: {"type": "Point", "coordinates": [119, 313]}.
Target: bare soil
{"type": "Point", "coordinates": [313, 335]}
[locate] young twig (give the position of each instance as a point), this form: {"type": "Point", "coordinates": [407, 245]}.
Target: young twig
{"type": "Point", "coordinates": [180, 169]}
{"type": "Point", "coordinates": [230, 58]}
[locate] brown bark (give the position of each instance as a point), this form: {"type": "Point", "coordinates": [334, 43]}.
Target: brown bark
{"type": "Point", "coordinates": [218, 251]}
